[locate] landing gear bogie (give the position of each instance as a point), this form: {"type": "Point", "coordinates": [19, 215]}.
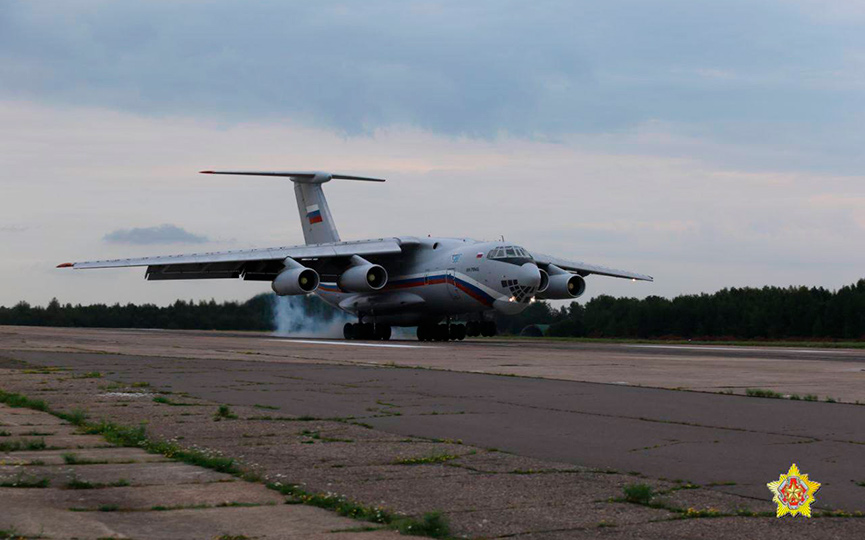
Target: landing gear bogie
{"type": "Point", "coordinates": [441, 332]}
{"type": "Point", "coordinates": [368, 331]}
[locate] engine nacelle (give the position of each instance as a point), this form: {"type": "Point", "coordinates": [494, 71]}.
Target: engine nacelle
{"type": "Point", "coordinates": [294, 281]}
{"type": "Point", "coordinates": [564, 287]}
{"type": "Point", "coordinates": [545, 281]}
{"type": "Point", "coordinates": [363, 278]}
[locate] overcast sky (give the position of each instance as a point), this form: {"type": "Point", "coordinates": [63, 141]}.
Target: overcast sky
{"type": "Point", "coordinates": [710, 144]}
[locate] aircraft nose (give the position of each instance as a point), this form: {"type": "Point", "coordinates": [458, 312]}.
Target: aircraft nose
{"type": "Point", "coordinates": [530, 275]}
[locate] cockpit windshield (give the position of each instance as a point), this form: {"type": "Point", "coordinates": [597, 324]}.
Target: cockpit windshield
{"type": "Point", "coordinates": [509, 252]}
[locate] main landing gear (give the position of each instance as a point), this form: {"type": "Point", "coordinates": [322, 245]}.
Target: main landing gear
{"type": "Point", "coordinates": [455, 332]}
{"type": "Point", "coordinates": [366, 331]}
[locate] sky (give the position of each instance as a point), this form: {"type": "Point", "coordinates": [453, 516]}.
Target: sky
{"type": "Point", "coordinates": [709, 144]}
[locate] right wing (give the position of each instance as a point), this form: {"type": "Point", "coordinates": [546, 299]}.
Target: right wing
{"type": "Point", "coordinates": [255, 264]}
{"type": "Point", "coordinates": [584, 269]}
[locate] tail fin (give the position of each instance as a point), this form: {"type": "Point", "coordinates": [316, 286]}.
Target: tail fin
{"type": "Point", "coordinates": [315, 219]}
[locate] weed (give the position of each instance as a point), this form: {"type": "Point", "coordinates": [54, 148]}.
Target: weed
{"type": "Point", "coordinates": [11, 533]}
{"type": "Point", "coordinates": [810, 397]}
{"type": "Point", "coordinates": [232, 537]}
{"type": "Point", "coordinates": [70, 458]}
{"type": "Point", "coordinates": [5, 434]}
{"type": "Point", "coordinates": [763, 393]}
{"type": "Point", "coordinates": [76, 483]}
{"type": "Point", "coordinates": [109, 508]}
{"type": "Point", "coordinates": [166, 401]}
{"type": "Point", "coordinates": [831, 400]}
{"type": "Point", "coordinates": [432, 524]}
{"type": "Point", "coordinates": [21, 481]}
{"type": "Point", "coordinates": [88, 375]}
{"type": "Point", "coordinates": [602, 524]}
{"type": "Point", "coordinates": [224, 412]}
{"type": "Point", "coordinates": [20, 401]}
{"type": "Point", "coordinates": [435, 458]}
{"type": "Point", "coordinates": [795, 397]}
{"type": "Point", "coordinates": [140, 385]}
{"type": "Point", "coordinates": [75, 416]}
{"type": "Point", "coordinates": [269, 407]}
{"type": "Point", "coordinates": [639, 493]}
{"type": "Point", "coordinates": [24, 444]}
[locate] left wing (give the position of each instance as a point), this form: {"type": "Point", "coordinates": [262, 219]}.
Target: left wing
{"type": "Point", "coordinates": [254, 264]}
{"type": "Point", "coordinates": [585, 269]}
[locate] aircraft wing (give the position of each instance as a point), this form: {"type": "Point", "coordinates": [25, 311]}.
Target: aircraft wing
{"type": "Point", "coordinates": [254, 264]}
{"type": "Point", "coordinates": [584, 269]}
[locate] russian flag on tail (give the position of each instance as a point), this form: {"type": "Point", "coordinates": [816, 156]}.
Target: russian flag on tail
{"type": "Point", "coordinates": [313, 214]}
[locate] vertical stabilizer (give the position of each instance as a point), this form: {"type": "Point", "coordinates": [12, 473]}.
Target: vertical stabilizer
{"type": "Point", "coordinates": [315, 218]}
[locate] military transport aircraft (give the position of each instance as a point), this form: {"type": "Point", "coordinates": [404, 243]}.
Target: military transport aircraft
{"type": "Point", "coordinates": [430, 283]}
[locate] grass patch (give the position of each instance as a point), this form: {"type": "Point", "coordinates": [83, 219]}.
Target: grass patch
{"type": "Point", "coordinates": [22, 445]}
{"type": "Point", "coordinates": [165, 401]}
{"type": "Point", "coordinates": [76, 483]}
{"type": "Point", "coordinates": [224, 412]}
{"type": "Point", "coordinates": [22, 481]}
{"type": "Point", "coordinates": [268, 407]}
{"type": "Point", "coordinates": [21, 401]}
{"type": "Point", "coordinates": [4, 433]}
{"type": "Point", "coordinates": [88, 375]}
{"type": "Point", "coordinates": [639, 493]}
{"type": "Point", "coordinates": [810, 397]}
{"type": "Point", "coordinates": [140, 385]}
{"type": "Point", "coordinates": [763, 393]}
{"type": "Point", "coordinates": [75, 416]}
{"type": "Point", "coordinates": [137, 437]}
{"type": "Point", "coordinates": [435, 458]}
{"type": "Point", "coordinates": [432, 524]}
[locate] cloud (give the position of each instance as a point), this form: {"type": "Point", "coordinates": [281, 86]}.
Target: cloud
{"type": "Point", "coordinates": [161, 234]}
{"type": "Point", "coordinates": [760, 73]}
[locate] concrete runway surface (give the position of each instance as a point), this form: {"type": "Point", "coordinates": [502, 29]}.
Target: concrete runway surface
{"type": "Point", "coordinates": [573, 403]}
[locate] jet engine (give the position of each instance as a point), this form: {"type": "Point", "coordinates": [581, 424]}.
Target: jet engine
{"type": "Point", "coordinates": [297, 280]}
{"type": "Point", "coordinates": [363, 276]}
{"type": "Point", "coordinates": [564, 287]}
{"type": "Point", "coordinates": [545, 281]}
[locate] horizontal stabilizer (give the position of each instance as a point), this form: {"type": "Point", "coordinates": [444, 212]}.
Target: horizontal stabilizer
{"type": "Point", "coordinates": [309, 177]}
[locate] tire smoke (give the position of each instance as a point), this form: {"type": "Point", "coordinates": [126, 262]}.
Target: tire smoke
{"type": "Point", "coordinates": [307, 316]}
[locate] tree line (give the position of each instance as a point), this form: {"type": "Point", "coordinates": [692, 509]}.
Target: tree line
{"type": "Point", "coordinates": [735, 313]}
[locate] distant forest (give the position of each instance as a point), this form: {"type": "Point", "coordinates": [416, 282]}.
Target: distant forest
{"type": "Point", "coordinates": [737, 313]}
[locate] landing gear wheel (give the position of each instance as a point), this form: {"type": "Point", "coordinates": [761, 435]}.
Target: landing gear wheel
{"type": "Point", "coordinates": [382, 332]}
{"type": "Point", "coordinates": [443, 332]}
{"type": "Point", "coordinates": [488, 328]}
{"type": "Point", "coordinates": [472, 329]}
{"type": "Point", "coordinates": [461, 332]}
{"type": "Point", "coordinates": [348, 331]}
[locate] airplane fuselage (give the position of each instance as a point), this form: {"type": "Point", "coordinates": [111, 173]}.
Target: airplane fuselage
{"type": "Point", "coordinates": [444, 278]}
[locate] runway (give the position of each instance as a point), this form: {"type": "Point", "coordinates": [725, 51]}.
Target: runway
{"type": "Point", "coordinates": [571, 402]}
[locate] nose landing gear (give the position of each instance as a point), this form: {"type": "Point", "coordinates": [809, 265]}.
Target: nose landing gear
{"type": "Point", "coordinates": [366, 331]}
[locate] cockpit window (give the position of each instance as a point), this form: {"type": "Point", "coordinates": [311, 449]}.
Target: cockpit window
{"type": "Point", "coordinates": [510, 253]}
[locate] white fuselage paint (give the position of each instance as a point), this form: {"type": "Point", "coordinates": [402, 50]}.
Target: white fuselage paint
{"type": "Point", "coordinates": [437, 279]}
